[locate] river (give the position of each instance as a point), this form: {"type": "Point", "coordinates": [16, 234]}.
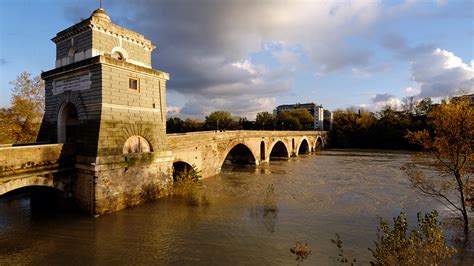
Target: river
{"type": "Point", "coordinates": [316, 196]}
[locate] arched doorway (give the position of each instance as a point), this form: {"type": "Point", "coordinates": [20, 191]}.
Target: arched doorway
{"type": "Point", "coordinates": [240, 155]}
{"type": "Point", "coordinates": [279, 152]}
{"type": "Point", "coordinates": [68, 122]}
{"type": "Point", "coordinates": [304, 147]}
{"type": "Point", "coordinates": [262, 151]}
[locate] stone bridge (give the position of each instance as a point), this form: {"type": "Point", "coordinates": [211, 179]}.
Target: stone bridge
{"type": "Point", "coordinates": [207, 151]}
{"type": "Point", "coordinates": [53, 165]}
{"type": "Point", "coordinates": [50, 165]}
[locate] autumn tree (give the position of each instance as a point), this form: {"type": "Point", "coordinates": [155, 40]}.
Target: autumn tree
{"type": "Point", "coordinates": [20, 123]}
{"type": "Point", "coordinates": [265, 120]}
{"type": "Point", "coordinates": [450, 147]}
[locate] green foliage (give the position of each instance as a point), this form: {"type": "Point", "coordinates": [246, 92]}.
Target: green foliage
{"type": "Point", "coordinates": [385, 129]}
{"type": "Point", "coordinates": [220, 120]}
{"type": "Point", "coordinates": [304, 118]}
{"type": "Point", "coordinates": [294, 120]}
{"type": "Point", "coordinates": [20, 123]}
{"type": "Point", "coordinates": [187, 186]}
{"type": "Point", "coordinates": [285, 121]}
{"type": "Point", "coordinates": [265, 121]}
{"type": "Point", "coordinates": [423, 246]}
{"type": "Point", "coordinates": [178, 125]}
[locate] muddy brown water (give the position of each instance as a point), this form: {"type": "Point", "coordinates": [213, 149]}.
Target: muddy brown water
{"type": "Point", "coordinates": [224, 223]}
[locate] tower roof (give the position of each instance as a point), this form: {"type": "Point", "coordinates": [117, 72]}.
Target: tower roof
{"type": "Point", "coordinates": [101, 14]}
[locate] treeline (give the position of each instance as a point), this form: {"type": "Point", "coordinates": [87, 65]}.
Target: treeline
{"type": "Point", "coordinates": [222, 120]}
{"type": "Point", "coordinates": [385, 129]}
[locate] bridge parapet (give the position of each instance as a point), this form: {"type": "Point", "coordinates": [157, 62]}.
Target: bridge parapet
{"type": "Point", "coordinates": [176, 140]}
{"type": "Point", "coordinates": [21, 159]}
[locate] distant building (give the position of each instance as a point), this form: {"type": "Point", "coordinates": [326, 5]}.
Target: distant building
{"type": "Point", "coordinates": [322, 119]}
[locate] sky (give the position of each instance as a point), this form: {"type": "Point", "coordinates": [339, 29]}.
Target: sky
{"type": "Point", "coordinates": [247, 56]}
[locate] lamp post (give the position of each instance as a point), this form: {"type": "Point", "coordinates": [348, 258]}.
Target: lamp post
{"type": "Point", "coordinates": [217, 124]}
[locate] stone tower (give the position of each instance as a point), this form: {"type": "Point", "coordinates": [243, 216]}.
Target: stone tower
{"type": "Point", "coordinates": [105, 99]}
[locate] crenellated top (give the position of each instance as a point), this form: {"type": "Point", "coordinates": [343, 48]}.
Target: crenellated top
{"type": "Point", "coordinates": [97, 35]}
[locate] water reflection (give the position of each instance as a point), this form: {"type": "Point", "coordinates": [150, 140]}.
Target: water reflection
{"type": "Point", "coordinates": [316, 196]}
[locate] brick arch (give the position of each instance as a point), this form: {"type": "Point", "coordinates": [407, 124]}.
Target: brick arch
{"type": "Point", "coordinates": [137, 144]}
{"type": "Point", "coordinates": [301, 142]}
{"type": "Point", "coordinates": [73, 98]}
{"type": "Point", "coordinates": [232, 145]}
{"type": "Point", "coordinates": [140, 130]}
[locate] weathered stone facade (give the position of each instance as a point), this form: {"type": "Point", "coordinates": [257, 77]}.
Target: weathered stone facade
{"type": "Point", "coordinates": [102, 93]}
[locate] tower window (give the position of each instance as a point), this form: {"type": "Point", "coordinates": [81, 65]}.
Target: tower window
{"type": "Point", "coordinates": [133, 84]}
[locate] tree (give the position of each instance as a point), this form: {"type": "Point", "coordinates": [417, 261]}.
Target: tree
{"type": "Point", "coordinates": [265, 120]}
{"type": "Point", "coordinates": [219, 120]}
{"type": "Point", "coordinates": [425, 246]}
{"type": "Point", "coordinates": [423, 107]}
{"type": "Point", "coordinates": [20, 123]}
{"type": "Point", "coordinates": [450, 147]}
{"type": "Point", "coordinates": [285, 121]}
{"type": "Point", "coordinates": [304, 117]}
{"type": "Point", "coordinates": [191, 125]}
{"type": "Point", "coordinates": [174, 125]}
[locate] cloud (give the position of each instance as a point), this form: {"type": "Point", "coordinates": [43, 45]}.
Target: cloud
{"type": "Point", "coordinates": [441, 73]}
{"type": "Point", "coordinates": [383, 100]}
{"type": "Point", "coordinates": [173, 110]}
{"type": "Point", "coordinates": [438, 72]}
{"type": "Point", "coordinates": [206, 45]}
{"type": "Point", "coordinates": [410, 91]}
{"type": "Point", "coordinates": [368, 71]}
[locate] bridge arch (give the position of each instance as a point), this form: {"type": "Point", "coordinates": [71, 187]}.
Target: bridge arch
{"type": "Point", "coordinates": [262, 151]}
{"type": "Point", "coordinates": [279, 150]}
{"type": "Point", "coordinates": [239, 153]}
{"type": "Point", "coordinates": [180, 168]}
{"type": "Point", "coordinates": [318, 144]}
{"type": "Point", "coordinates": [32, 181]}
{"type": "Point", "coordinates": [303, 146]}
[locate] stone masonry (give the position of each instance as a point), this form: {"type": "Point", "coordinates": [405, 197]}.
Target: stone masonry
{"type": "Point", "coordinates": [102, 95]}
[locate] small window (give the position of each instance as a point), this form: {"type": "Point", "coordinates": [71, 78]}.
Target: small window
{"type": "Point", "coordinates": [118, 55]}
{"type": "Point", "coordinates": [133, 84]}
